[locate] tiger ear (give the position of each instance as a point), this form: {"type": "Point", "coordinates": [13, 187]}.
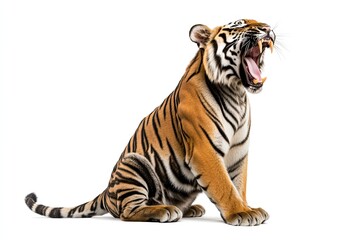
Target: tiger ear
{"type": "Point", "coordinates": [200, 34]}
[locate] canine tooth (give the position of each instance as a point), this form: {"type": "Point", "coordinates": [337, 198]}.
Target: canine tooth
{"type": "Point", "coordinates": [256, 81]}
{"type": "Point", "coordinates": [271, 44]}
{"type": "Point", "coordinates": [260, 45]}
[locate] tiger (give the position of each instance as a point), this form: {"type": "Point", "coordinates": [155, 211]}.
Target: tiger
{"type": "Point", "coordinates": [196, 141]}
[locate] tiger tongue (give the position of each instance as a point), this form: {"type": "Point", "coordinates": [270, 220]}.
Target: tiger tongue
{"type": "Point", "coordinates": [253, 69]}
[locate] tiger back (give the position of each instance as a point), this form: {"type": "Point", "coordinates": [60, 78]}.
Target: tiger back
{"type": "Point", "coordinates": [196, 140]}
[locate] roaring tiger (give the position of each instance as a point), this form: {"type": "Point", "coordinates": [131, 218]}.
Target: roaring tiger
{"type": "Point", "coordinates": [196, 140]}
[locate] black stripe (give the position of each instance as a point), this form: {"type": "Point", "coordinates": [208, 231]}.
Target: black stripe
{"type": "Point", "coordinates": [89, 215]}
{"type": "Point", "coordinates": [128, 148]}
{"type": "Point", "coordinates": [245, 108]}
{"type": "Point", "coordinates": [144, 139]}
{"type": "Point", "coordinates": [138, 204]}
{"type": "Point", "coordinates": [229, 67]}
{"type": "Point", "coordinates": [133, 209]}
{"type": "Point", "coordinates": [129, 194]}
{"type": "Point", "coordinates": [55, 213]}
{"type": "Point", "coordinates": [134, 138]}
{"type": "Point", "coordinates": [230, 75]}
{"type": "Point", "coordinates": [171, 189]}
{"type": "Point", "coordinates": [218, 150]}
{"type": "Point", "coordinates": [41, 209]}
{"type": "Point", "coordinates": [235, 165]}
{"type": "Point", "coordinates": [232, 103]}
{"type": "Point", "coordinates": [230, 59]}
{"type": "Point", "coordinates": [224, 106]}
{"type": "Point", "coordinates": [221, 131]}
{"type": "Point", "coordinates": [94, 204]}
{"type": "Point", "coordinates": [192, 75]}
{"type": "Point", "coordinates": [226, 48]}
{"type": "Point", "coordinates": [173, 111]}
{"type": "Point", "coordinates": [148, 118]}
{"type": "Point", "coordinates": [243, 141]}
{"type": "Point", "coordinates": [121, 169]}
{"type": "Point", "coordinates": [212, 116]}
{"type": "Point", "coordinates": [219, 101]}
{"type": "Point", "coordinates": [164, 105]}
{"type": "Point", "coordinates": [159, 167]}
{"type": "Point", "coordinates": [198, 55]}
{"type": "Point", "coordinates": [196, 72]}
{"type": "Point", "coordinates": [211, 112]}
{"type": "Point", "coordinates": [223, 36]}
{"type": "Point", "coordinates": [215, 56]}
{"type": "Point", "coordinates": [81, 207]}
{"type": "Point", "coordinates": [156, 115]}
{"type": "Point", "coordinates": [132, 182]}
{"type": "Point", "coordinates": [112, 195]}
{"type": "Point", "coordinates": [229, 96]}
{"type": "Point", "coordinates": [235, 176]}
{"type": "Point", "coordinates": [103, 203]}
{"type": "Point", "coordinates": [176, 168]}
{"type": "Point", "coordinates": [157, 133]}
{"type": "Point", "coordinates": [138, 166]}
{"type": "Point", "coordinates": [176, 96]}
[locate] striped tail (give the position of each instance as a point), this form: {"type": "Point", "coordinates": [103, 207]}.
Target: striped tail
{"type": "Point", "coordinates": [86, 210]}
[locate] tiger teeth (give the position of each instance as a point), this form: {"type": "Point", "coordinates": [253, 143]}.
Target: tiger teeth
{"type": "Point", "coordinates": [256, 81]}
{"type": "Point", "coordinates": [260, 45]}
{"type": "Point", "coordinates": [271, 44]}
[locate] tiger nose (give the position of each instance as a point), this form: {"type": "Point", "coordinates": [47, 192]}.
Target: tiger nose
{"type": "Point", "coordinates": [270, 33]}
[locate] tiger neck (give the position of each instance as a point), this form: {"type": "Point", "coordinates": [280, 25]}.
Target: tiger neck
{"type": "Point", "coordinates": [197, 70]}
{"type": "Point", "coordinates": [236, 93]}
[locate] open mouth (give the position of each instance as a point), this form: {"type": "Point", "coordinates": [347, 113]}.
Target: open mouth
{"type": "Point", "coordinates": [252, 63]}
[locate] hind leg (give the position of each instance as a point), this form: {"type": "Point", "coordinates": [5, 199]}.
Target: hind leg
{"type": "Point", "coordinates": [140, 193]}
{"type": "Point", "coordinates": [194, 211]}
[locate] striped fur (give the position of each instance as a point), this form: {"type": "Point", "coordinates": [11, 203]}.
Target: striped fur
{"type": "Point", "coordinates": [196, 140]}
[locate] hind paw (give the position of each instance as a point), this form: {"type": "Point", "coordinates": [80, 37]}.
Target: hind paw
{"type": "Point", "coordinates": [194, 211]}
{"type": "Point", "coordinates": [156, 213]}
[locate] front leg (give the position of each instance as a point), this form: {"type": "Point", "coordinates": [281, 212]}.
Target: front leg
{"type": "Point", "coordinates": [206, 145]}
{"type": "Point", "coordinates": [239, 179]}
{"type": "Point", "coordinates": [210, 171]}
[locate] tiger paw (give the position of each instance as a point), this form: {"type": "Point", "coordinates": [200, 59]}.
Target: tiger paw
{"type": "Point", "coordinates": [166, 213]}
{"type": "Point", "coordinates": [250, 217]}
{"type": "Point", "coordinates": [194, 211]}
{"type": "Point", "coordinates": [155, 213]}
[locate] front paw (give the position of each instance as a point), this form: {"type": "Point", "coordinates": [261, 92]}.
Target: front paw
{"type": "Point", "coordinates": [250, 217]}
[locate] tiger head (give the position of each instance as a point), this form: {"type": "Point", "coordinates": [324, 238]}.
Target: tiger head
{"type": "Point", "coordinates": [234, 53]}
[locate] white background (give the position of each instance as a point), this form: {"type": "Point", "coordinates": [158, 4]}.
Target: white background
{"type": "Point", "coordinates": [76, 78]}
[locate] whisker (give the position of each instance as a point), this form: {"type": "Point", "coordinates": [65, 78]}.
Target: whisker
{"type": "Point", "coordinates": [280, 47]}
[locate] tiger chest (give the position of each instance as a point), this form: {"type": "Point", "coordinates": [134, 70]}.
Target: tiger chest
{"type": "Point", "coordinates": [238, 145]}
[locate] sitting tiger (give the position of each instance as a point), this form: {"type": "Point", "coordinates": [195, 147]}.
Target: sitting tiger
{"type": "Point", "coordinates": [196, 140]}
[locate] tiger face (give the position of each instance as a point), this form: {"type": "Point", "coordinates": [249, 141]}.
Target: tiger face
{"type": "Point", "coordinates": [234, 53]}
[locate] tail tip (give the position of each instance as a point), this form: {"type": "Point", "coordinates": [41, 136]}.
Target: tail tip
{"type": "Point", "coordinates": [30, 199]}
